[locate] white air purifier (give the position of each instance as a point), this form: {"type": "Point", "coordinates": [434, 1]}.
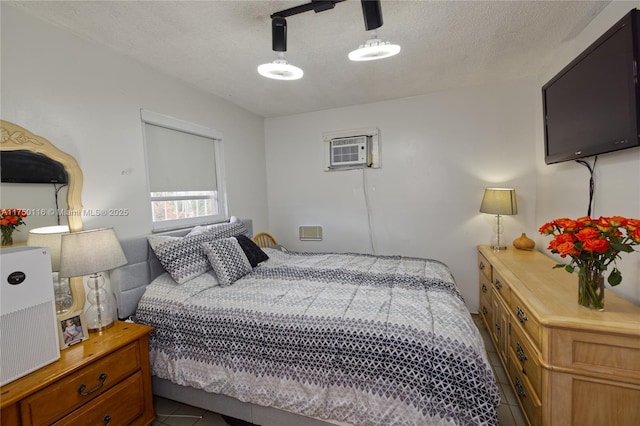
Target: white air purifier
{"type": "Point", "coordinates": [28, 329]}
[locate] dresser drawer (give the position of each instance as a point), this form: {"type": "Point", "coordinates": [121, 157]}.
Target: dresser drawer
{"type": "Point", "coordinates": [526, 358]}
{"type": "Point", "coordinates": [501, 286]}
{"type": "Point", "coordinates": [484, 267]}
{"type": "Point", "coordinates": [80, 387]}
{"type": "Point", "coordinates": [485, 300]}
{"type": "Point", "coordinates": [523, 316]}
{"type": "Point", "coordinates": [529, 401]}
{"type": "Point", "coordinates": [595, 353]}
{"type": "Point", "coordinates": [120, 405]}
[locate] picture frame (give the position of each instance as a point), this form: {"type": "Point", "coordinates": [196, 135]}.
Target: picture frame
{"type": "Point", "coordinates": [72, 329]}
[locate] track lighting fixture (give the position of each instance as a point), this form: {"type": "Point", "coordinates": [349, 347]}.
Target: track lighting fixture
{"type": "Point", "coordinates": [279, 69]}
{"type": "Point", "coordinates": [374, 48]}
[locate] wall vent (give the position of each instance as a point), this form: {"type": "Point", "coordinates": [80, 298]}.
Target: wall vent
{"type": "Point", "coordinates": [310, 233]}
{"type": "Point", "coordinates": [348, 151]}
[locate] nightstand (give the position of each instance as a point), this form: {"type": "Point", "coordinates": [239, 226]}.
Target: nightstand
{"type": "Point", "coordinates": [103, 380]}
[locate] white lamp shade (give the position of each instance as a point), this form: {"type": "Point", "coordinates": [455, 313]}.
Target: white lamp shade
{"type": "Point", "coordinates": [499, 201]}
{"type": "Point", "coordinates": [88, 252]}
{"type": "Point", "coordinates": [49, 236]}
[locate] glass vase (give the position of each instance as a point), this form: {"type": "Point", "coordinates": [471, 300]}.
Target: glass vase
{"type": "Point", "coordinates": [7, 236]}
{"type": "Point", "coordinates": [591, 289]}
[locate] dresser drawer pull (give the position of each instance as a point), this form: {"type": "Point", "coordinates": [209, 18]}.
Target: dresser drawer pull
{"type": "Point", "coordinates": [481, 266]}
{"type": "Point", "coordinates": [81, 390]}
{"type": "Point", "coordinates": [497, 328]}
{"type": "Point", "coordinates": [484, 288]}
{"type": "Point", "coordinates": [522, 356]}
{"type": "Point", "coordinates": [498, 285]}
{"type": "Point", "coordinates": [522, 317]}
{"type": "Point", "coordinates": [106, 419]}
{"type": "Point", "coordinates": [520, 389]}
{"type": "Point", "coordinates": [484, 310]}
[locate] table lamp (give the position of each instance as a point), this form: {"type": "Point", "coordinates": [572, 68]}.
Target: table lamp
{"type": "Point", "coordinates": [50, 236]}
{"type": "Point", "coordinates": [89, 253]}
{"type": "Point", "coordinates": [499, 201]}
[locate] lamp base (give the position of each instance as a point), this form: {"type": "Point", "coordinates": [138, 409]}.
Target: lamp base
{"type": "Point", "coordinates": [104, 327]}
{"type": "Point", "coordinates": [101, 312]}
{"type": "Point", "coordinates": [497, 243]}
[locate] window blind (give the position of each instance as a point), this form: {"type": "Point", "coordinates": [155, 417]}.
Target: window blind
{"type": "Point", "coordinates": [179, 161]}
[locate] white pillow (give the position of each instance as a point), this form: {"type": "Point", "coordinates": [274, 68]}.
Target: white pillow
{"type": "Point", "coordinates": [221, 230]}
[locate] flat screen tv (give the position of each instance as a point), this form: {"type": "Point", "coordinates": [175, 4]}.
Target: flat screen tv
{"type": "Point", "coordinates": [592, 106]}
{"type": "Point", "coordinates": [30, 167]}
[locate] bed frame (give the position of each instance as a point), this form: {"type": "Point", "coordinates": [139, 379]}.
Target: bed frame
{"type": "Point", "coordinates": [129, 282]}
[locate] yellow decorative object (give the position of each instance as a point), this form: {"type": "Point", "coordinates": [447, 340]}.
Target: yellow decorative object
{"type": "Point", "coordinates": [524, 243]}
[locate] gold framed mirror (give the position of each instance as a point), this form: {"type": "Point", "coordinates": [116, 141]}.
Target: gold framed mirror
{"type": "Point", "coordinates": [15, 138]}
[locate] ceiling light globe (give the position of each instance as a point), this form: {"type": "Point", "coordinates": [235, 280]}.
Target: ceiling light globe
{"type": "Point", "coordinates": [374, 49]}
{"type": "Point", "coordinates": [280, 70]}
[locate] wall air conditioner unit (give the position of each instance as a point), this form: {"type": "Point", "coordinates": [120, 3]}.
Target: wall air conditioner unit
{"type": "Point", "coordinates": [352, 151]}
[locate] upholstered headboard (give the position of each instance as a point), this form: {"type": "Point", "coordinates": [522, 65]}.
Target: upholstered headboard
{"type": "Point", "coordinates": [128, 282]}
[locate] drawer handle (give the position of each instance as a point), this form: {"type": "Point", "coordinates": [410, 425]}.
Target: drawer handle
{"type": "Point", "coordinates": [522, 356]}
{"type": "Point", "coordinates": [484, 288]}
{"type": "Point", "coordinates": [498, 285]}
{"type": "Point", "coordinates": [481, 266]}
{"type": "Point", "coordinates": [106, 419]}
{"type": "Point", "coordinates": [484, 310]}
{"type": "Point", "coordinates": [520, 389]}
{"type": "Point", "coordinates": [81, 390]}
{"type": "Point", "coordinates": [498, 328]}
{"type": "Point", "coordinates": [522, 317]}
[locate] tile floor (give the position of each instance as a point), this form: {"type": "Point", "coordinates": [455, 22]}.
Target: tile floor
{"type": "Point", "coordinates": [509, 413]}
{"type": "Point", "coordinates": [172, 413]}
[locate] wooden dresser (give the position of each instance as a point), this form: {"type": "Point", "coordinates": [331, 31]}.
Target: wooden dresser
{"type": "Point", "coordinates": [103, 380]}
{"type": "Point", "coordinates": [567, 365]}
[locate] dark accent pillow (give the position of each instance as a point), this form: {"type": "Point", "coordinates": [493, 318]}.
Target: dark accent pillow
{"type": "Point", "coordinates": [251, 250]}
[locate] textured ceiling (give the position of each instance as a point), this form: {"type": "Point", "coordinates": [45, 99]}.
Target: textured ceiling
{"type": "Point", "coordinates": [217, 45]}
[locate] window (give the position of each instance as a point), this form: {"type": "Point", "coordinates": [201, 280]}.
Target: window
{"type": "Point", "coordinates": [184, 170]}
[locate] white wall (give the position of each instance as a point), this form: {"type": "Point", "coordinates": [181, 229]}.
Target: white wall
{"type": "Point", "coordinates": [86, 100]}
{"type": "Point", "coordinates": [439, 152]}
{"type": "Point", "coordinates": [562, 189]}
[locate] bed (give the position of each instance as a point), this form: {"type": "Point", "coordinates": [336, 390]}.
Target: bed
{"type": "Point", "coordinates": [310, 338]}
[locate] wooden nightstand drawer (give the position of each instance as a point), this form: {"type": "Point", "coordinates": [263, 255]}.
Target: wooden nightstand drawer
{"type": "Point", "coordinates": [80, 387]}
{"type": "Point", "coordinates": [119, 406]}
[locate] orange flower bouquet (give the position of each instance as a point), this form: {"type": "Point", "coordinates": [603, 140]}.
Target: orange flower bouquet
{"type": "Point", "coordinates": [10, 219]}
{"type": "Point", "coordinates": [593, 245]}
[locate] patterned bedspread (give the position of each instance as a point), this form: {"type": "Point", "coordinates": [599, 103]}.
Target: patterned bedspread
{"type": "Point", "coordinates": [368, 340]}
